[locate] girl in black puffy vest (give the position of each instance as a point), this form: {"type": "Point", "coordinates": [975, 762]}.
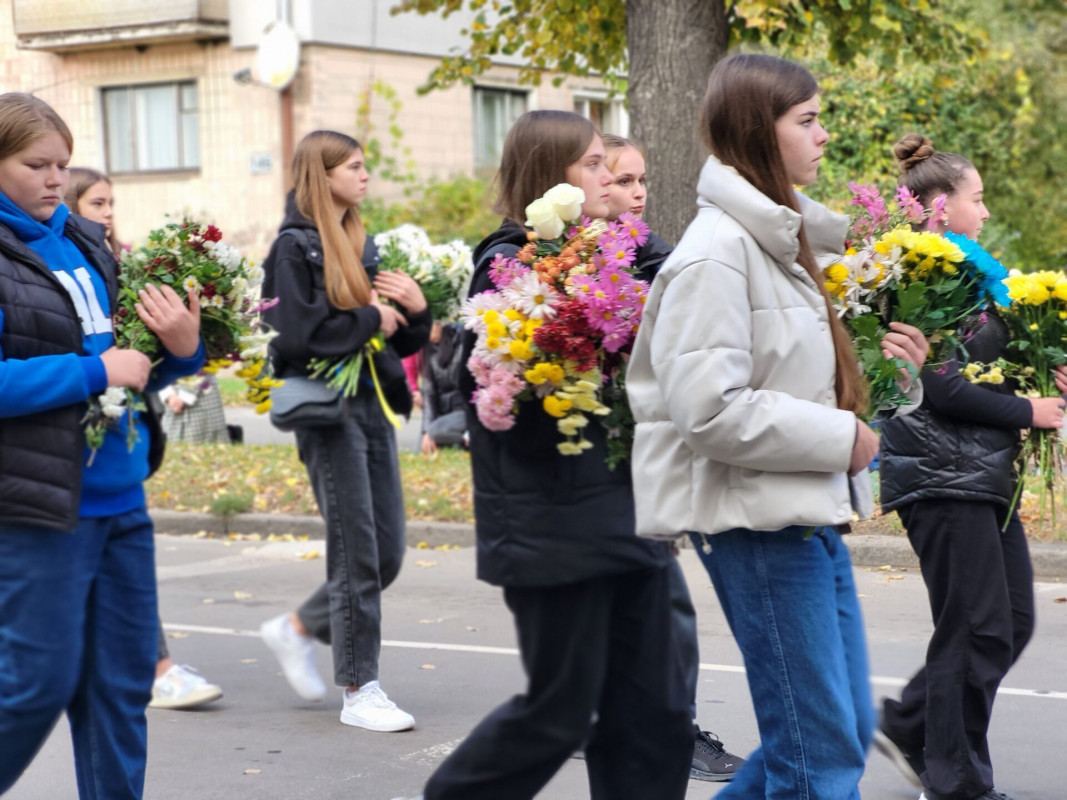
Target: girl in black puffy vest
{"type": "Point", "coordinates": [947, 470]}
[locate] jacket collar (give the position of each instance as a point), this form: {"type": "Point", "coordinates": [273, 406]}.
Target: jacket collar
{"type": "Point", "coordinates": [775, 228]}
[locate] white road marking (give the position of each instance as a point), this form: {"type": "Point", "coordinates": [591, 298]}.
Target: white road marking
{"type": "Point", "coordinates": [511, 651]}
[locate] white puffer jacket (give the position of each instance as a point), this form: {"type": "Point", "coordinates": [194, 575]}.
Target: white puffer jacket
{"type": "Point", "coordinates": [731, 380]}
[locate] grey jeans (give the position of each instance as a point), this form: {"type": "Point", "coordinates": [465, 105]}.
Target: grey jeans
{"type": "Point", "coordinates": [355, 475]}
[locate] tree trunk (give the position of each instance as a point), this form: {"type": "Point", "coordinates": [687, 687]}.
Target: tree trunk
{"type": "Point", "coordinates": [673, 44]}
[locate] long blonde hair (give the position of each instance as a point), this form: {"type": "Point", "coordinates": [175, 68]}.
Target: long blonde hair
{"type": "Point", "coordinates": [347, 284]}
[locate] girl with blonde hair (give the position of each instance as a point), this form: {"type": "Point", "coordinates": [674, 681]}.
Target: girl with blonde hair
{"type": "Point", "coordinates": [331, 306]}
{"type": "Point", "coordinates": [78, 624]}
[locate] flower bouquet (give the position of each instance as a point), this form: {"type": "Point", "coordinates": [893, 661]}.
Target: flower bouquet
{"type": "Point", "coordinates": [441, 270]}
{"type": "Point", "coordinates": [557, 326]}
{"type": "Point", "coordinates": [1037, 319]}
{"type": "Point", "coordinates": [192, 259]}
{"type": "Point", "coordinates": [897, 273]}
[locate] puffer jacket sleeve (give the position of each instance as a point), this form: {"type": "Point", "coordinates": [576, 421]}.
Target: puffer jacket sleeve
{"type": "Point", "coordinates": [701, 355]}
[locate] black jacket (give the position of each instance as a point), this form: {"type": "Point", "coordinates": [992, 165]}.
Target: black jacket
{"type": "Point", "coordinates": [41, 454]}
{"type": "Point", "coordinates": [309, 326]}
{"type": "Point", "coordinates": [961, 444]}
{"type": "Point", "coordinates": [542, 518]}
{"type": "Point", "coordinates": [441, 368]}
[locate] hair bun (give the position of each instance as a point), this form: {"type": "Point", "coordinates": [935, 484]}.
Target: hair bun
{"type": "Point", "coordinates": [911, 150]}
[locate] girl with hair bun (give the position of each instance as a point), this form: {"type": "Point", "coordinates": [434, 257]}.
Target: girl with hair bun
{"type": "Point", "coordinates": [948, 472]}
{"type": "Point", "coordinates": [330, 306]}
{"type": "Point", "coordinates": [745, 390]}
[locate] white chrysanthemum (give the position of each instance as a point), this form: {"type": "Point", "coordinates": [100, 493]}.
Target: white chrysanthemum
{"type": "Point", "coordinates": [532, 297]}
{"type": "Point", "coordinates": [255, 275]}
{"type": "Point", "coordinates": [191, 285]}
{"type": "Point", "coordinates": [113, 402]}
{"type": "Point", "coordinates": [473, 308]}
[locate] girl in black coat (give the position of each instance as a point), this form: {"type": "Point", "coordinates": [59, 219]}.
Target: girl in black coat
{"type": "Point", "coordinates": [590, 599]}
{"type": "Point", "coordinates": [947, 470]}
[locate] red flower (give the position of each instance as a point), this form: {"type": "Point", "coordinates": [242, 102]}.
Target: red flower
{"type": "Point", "coordinates": [212, 234]}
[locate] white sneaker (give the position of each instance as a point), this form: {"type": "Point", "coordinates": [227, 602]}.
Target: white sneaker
{"type": "Point", "coordinates": [296, 654]}
{"type": "Point", "coordinates": [370, 708]}
{"type": "Point", "coordinates": [181, 687]}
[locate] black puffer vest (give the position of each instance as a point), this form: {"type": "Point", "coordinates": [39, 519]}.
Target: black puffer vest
{"type": "Point", "coordinates": [41, 454]}
{"type": "Point", "coordinates": [927, 455]}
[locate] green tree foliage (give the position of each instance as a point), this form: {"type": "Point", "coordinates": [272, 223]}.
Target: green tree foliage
{"type": "Point", "coordinates": [1005, 111]}
{"type": "Point", "coordinates": [458, 208]}
{"type": "Point", "coordinates": [569, 37]}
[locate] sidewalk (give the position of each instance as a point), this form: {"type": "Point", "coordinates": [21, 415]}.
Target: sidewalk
{"type": "Point", "coordinates": [1050, 560]}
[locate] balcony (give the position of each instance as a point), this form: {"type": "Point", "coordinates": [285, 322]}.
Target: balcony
{"type": "Point", "coordinates": [70, 25]}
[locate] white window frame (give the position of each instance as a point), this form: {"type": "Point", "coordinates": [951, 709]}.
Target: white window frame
{"type": "Point", "coordinates": [482, 159]}
{"type": "Point", "coordinates": [617, 118]}
{"type": "Point", "coordinates": [182, 114]}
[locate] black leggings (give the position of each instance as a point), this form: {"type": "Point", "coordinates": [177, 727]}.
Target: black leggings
{"type": "Point", "coordinates": [602, 647]}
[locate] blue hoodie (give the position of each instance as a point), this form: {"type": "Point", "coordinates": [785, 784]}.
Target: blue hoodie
{"type": "Point", "coordinates": [113, 483]}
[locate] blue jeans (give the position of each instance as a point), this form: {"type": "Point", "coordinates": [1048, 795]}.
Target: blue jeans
{"type": "Point", "coordinates": [791, 604]}
{"type": "Point", "coordinates": [78, 633]}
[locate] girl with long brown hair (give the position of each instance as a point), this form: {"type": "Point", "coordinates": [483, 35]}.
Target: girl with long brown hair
{"type": "Point", "coordinates": [746, 394]}
{"type": "Point", "coordinates": [330, 306]}
{"type": "Point", "coordinates": [590, 599]}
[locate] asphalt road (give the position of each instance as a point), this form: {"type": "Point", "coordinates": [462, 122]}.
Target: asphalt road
{"type": "Point", "coordinates": [449, 658]}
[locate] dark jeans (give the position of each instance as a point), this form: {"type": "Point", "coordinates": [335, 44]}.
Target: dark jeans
{"type": "Point", "coordinates": [76, 635]}
{"type": "Point", "coordinates": [356, 478]}
{"type": "Point", "coordinates": [600, 647]}
{"type": "Point", "coordinates": [980, 584]}
{"type": "Point", "coordinates": [684, 626]}
{"type": "Point", "coordinates": [791, 602]}
{"type": "Point", "coordinates": [448, 429]}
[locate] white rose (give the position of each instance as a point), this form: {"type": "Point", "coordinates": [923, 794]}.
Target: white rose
{"type": "Point", "coordinates": [542, 217]}
{"type": "Point", "coordinates": [567, 199]}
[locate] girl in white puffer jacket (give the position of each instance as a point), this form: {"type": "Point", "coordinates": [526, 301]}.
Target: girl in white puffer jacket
{"type": "Point", "coordinates": [745, 391]}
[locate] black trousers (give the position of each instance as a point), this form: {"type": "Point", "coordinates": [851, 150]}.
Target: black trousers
{"type": "Point", "coordinates": [981, 587]}
{"type": "Point", "coordinates": [601, 647]}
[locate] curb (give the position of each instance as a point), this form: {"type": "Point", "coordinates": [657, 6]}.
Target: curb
{"type": "Point", "coordinates": [868, 550]}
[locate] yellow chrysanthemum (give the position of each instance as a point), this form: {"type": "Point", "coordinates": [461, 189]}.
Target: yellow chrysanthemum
{"type": "Point", "coordinates": [838, 273]}
{"type": "Point", "coordinates": [520, 350]}
{"type": "Point", "coordinates": [556, 406]}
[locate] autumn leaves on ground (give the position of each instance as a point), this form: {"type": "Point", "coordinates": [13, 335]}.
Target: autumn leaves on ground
{"type": "Point", "coordinates": [225, 479]}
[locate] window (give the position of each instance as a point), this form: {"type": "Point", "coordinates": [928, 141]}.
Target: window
{"type": "Point", "coordinates": [608, 115]}
{"type": "Point", "coordinates": [151, 128]}
{"type": "Point", "coordinates": [495, 111]}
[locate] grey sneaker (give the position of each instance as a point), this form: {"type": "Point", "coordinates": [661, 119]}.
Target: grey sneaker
{"type": "Point", "coordinates": [711, 761]}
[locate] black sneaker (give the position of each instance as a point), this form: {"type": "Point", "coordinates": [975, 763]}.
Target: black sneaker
{"type": "Point", "coordinates": [992, 794]}
{"type": "Point", "coordinates": [711, 762]}
{"type": "Point", "coordinates": [911, 765]}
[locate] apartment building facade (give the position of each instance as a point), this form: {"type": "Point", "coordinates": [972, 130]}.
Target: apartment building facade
{"type": "Point", "coordinates": [153, 92]}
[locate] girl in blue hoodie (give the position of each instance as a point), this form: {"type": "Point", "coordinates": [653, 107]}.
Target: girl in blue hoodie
{"type": "Point", "coordinates": [77, 575]}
